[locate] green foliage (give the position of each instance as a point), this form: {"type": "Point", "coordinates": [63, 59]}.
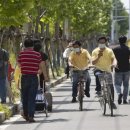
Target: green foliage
{"type": "Point", "coordinates": [85, 16]}
{"type": "Point", "coordinates": [6, 110]}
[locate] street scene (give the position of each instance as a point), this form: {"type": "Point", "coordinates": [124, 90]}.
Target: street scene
{"type": "Point", "coordinates": [64, 64]}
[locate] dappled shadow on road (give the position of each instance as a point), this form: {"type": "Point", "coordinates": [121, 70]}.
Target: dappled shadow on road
{"type": "Point", "coordinates": [61, 102]}
{"type": "Point", "coordinates": [41, 120]}
{"type": "Point", "coordinates": [91, 101]}
{"type": "Point", "coordinates": [64, 89]}
{"type": "Point", "coordinates": [115, 115]}
{"type": "Point", "coordinates": [61, 95]}
{"type": "Point", "coordinates": [73, 110]}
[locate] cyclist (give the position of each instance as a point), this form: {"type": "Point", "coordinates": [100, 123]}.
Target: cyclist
{"type": "Point", "coordinates": [66, 54]}
{"type": "Point", "coordinates": [104, 59]}
{"type": "Point", "coordinates": [79, 59]}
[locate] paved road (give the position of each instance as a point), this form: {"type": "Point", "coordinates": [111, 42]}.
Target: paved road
{"type": "Point", "coordinates": [66, 115]}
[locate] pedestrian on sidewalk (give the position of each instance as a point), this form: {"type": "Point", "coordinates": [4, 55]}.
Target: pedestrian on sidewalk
{"type": "Point", "coordinates": [121, 76]}
{"type": "Point", "coordinates": [30, 61]}
{"type": "Point", "coordinates": [79, 59]}
{"type": "Point", "coordinates": [4, 57]}
{"type": "Point", "coordinates": [8, 82]}
{"type": "Point", "coordinates": [38, 48]}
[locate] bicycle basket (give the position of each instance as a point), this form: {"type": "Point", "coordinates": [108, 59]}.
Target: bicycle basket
{"type": "Point", "coordinates": [108, 78]}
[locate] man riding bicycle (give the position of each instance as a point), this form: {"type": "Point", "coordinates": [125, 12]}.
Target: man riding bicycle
{"type": "Point", "coordinates": [104, 60]}
{"type": "Point", "coordinates": [79, 59]}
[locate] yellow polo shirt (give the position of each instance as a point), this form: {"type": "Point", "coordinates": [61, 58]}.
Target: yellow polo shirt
{"type": "Point", "coordinates": [105, 61]}
{"type": "Point", "coordinates": [80, 60]}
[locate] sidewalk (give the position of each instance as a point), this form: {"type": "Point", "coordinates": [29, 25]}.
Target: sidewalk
{"type": "Point", "coordinates": [14, 108]}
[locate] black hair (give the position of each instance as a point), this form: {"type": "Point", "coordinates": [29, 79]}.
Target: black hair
{"type": "Point", "coordinates": [102, 37]}
{"type": "Point", "coordinates": [28, 43]}
{"type": "Point", "coordinates": [77, 43]}
{"type": "Point", "coordinates": [122, 39]}
{"type": "Point", "coordinates": [37, 47]}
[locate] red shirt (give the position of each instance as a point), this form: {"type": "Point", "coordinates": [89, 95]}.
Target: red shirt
{"type": "Point", "coordinates": [29, 61]}
{"type": "Point", "coordinates": [10, 70]}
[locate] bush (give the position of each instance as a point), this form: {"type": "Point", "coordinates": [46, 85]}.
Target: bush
{"type": "Point", "coordinates": [6, 110]}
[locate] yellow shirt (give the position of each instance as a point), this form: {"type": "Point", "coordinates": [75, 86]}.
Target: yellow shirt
{"type": "Point", "coordinates": [80, 60]}
{"type": "Point", "coordinates": [17, 74]}
{"type": "Point", "coordinates": [105, 61]}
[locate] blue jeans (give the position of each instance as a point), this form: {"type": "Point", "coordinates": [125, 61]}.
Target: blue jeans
{"type": "Point", "coordinates": [76, 76]}
{"type": "Point", "coordinates": [3, 89]}
{"type": "Point", "coordinates": [29, 86]}
{"type": "Point", "coordinates": [119, 78]}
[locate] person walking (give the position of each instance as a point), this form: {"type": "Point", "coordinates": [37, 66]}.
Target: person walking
{"type": "Point", "coordinates": [121, 76]}
{"type": "Point", "coordinates": [4, 57]}
{"type": "Point", "coordinates": [38, 47]}
{"type": "Point", "coordinates": [30, 61]}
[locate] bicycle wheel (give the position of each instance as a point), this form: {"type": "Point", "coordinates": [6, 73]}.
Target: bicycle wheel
{"type": "Point", "coordinates": [102, 101]}
{"type": "Point", "coordinates": [80, 96]}
{"type": "Point", "coordinates": [110, 101]}
{"type": "Point", "coordinates": [45, 110]}
{"type": "Point", "coordinates": [80, 103]}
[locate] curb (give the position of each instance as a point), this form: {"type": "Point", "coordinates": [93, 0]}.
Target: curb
{"type": "Point", "coordinates": [15, 108]}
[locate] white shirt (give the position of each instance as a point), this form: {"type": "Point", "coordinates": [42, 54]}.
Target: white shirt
{"type": "Point", "coordinates": [67, 52]}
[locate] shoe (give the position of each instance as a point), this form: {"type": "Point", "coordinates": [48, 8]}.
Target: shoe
{"type": "Point", "coordinates": [25, 117]}
{"type": "Point", "coordinates": [120, 98]}
{"type": "Point", "coordinates": [3, 102]}
{"type": "Point", "coordinates": [98, 93]}
{"type": "Point", "coordinates": [74, 100]}
{"type": "Point", "coordinates": [31, 120]}
{"type": "Point", "coordinates": [87, 94]}
{"type": "Point", "coordinates": [114, 105]}
{"type": "Point", "coordinates": [125, 102]}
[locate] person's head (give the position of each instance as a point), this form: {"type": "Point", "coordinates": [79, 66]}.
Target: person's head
{"type": "Point", "coordinates": [122, 39]}
{"type": "Point", "coordinates": [77, 46]}
{"type": "Point", "coordinates": [37, 47]}
{"type": "Point", "coordinates": [28, 43]}
{"type": "Point", "coordinates": [102, 41]}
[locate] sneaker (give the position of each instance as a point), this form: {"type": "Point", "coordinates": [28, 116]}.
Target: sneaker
{"type": "Point", "coordinates": [87, 94]}
{"type": "Point", "coordinates": [31, 120]}
{"type": "Point", "coordinates": [125, 102]}
{"type": "Point", "coordinates": [114, 105]}
{"type": "Point", "coordinates": [74, 100]}
{"type": "Point", "coordinates": [120, 98]}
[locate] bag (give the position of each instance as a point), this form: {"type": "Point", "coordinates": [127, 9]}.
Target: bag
{"type": "Point", "coordinates": [40, 101]}
{"type": "Point", "coordinates": [39, 96]}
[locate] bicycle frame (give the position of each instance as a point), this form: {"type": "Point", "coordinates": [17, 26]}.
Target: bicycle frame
{"type": "Point", "coordinates": [106, 94]}
{"type": "Point", "coordinates": [81, 89]}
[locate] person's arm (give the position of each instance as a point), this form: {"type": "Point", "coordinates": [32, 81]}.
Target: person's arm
{"type": "Point", "coordinates": [95, 60]}
{"type": "Point", "coordinates": [42, 67]}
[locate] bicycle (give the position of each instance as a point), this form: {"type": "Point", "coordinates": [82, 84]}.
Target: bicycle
{"type": "Point", "coordinates": [106, 97]}
{"type": "Point", "coordinates": [81, 88]}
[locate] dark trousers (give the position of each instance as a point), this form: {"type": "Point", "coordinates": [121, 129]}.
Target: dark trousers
{"type": "Point", "coordinates": [76, 77]}
{"type": "Point", "coordinates": [29, 86]}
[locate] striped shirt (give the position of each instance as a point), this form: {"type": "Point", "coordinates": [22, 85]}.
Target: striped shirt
{"type": "Point", "coordinates": [29, 61]}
